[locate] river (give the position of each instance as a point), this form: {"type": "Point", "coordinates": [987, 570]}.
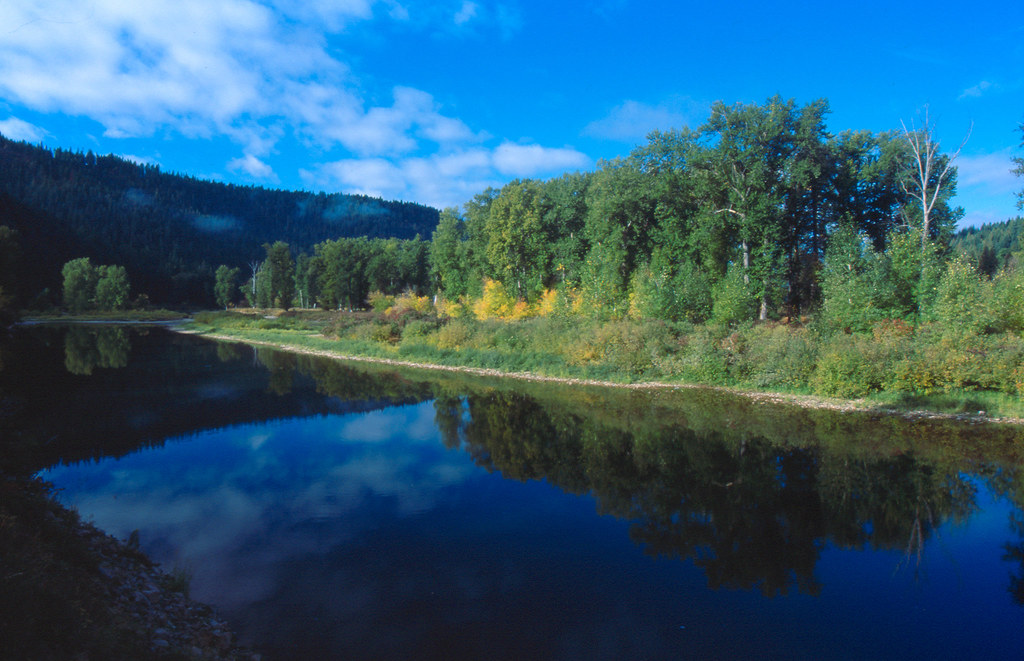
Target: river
{"type": "Point", "coordinates": [333, 510]}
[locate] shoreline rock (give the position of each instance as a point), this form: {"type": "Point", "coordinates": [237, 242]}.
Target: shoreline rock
{"type": "Point", "coordinates": [154, 604]}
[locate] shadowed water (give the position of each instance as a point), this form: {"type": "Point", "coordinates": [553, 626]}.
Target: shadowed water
{"type": "Point", "coordinates": [330, 511]}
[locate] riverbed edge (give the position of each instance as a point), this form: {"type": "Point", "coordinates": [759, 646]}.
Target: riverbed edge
{"type": "Point", "coordinates": [766, 397]}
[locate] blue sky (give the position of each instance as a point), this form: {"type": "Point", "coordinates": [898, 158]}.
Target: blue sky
{"type": "Point", "coordinates": [434, 100]}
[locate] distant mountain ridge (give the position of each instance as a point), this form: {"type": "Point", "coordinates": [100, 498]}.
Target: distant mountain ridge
{"type": "Point", "coordinates": [170, 231]}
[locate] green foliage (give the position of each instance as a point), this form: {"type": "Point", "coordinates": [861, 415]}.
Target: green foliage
{"type": "Point", "coordinates": [1008, 299]}
{"type": "Point", "coordinates": [963, 300]}
{"type": "Point", "coordinates": [846, 367]}
{"type": "Point", "coordinates": [347, 270]}
{"type": "Point", "coordinates": [699, 358]}
{"type": "Point", "coordinates": [734, 301]}
{"type": "Point", "coordinates": [990, 246]}
{"type": "Point", "coordinates": [685, 295]}
{"type": "Point", "coordinates": [164, 228]}
{"type": "Point", "coordinates": [111, 288]}
{"type": "Point", "coordinates": [518, 241]}
{"type": "Point", "coordinates": [448, 259]}
{"type": "Point", "coordinates": [776, 357]}
{"type": "Point", "coordinates": [908, 277]}
{"type": "Point", "coordinates": [379, 301]}
{"type": "Point", "coordinates": [848, 282]}
{"type": "Point", "coordinates": [88, 287]}
{"type": "Point", "coordinates": [280, 270]}
{"type": "Point", "coordinates": [224, 285]}
{"type": "Point", "coordinates": [79, 284]}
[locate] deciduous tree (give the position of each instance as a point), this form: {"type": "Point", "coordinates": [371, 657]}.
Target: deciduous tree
{"type": "Point", "coordinates": [932, 177]}
{"type": "Point", "coordinates": [112, 288]}
{"type": "Point", "coordinates": [224, 285]}
{"type": "Point", "coordinates": [79, 284]}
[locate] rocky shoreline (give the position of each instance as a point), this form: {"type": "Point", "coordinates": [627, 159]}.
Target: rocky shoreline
{"type": "Point", "coordinates": [69, 591]}
{"type": "Point", "coordinates": [154, 604]}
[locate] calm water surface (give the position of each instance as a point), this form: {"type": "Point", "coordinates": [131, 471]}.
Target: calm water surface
{"type": "Point", "coordinates": [329, 512]}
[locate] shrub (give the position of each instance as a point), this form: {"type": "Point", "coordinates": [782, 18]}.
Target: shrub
{"type": "Point", "coordinates": [418, 329]}
{"type": "Point", "coordinates": [454, 335]}
{"type": "Point", "coordinates": [448, 308]}
{"type": "Point", "coordinates": [697, 357]}
{"type": "Point", "coordinates": [409, 302]}
{"type": "Point", "coordinates": [495, 303]}
{"type": "Point", "coordinates": [962, 298]}
{"type": "Point", "coordinates": [776, 355]}
{"type": "Point", "coordinates": [732, 300]}
{"type": "Point", "coordinates": [380, 301]}
{"type": "Point", "coordinates": [848, 367]}
{"type": "Point", "coordinates": [375, 331]}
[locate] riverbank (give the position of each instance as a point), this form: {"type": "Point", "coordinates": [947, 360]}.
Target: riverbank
{"type": "Point", "coordinates": [295, 345]}
{"type": "Point", "coordinates": [70, 591]}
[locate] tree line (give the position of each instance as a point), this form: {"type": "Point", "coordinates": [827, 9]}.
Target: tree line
{"type": "Point", "coordinates": [759, 213]}
{"type": "Point", "coordinates": [168, 231]}
{"type": "Point", "coordinates": [731, 221]}
{"type": "Point", "coordinates": [340, 273]}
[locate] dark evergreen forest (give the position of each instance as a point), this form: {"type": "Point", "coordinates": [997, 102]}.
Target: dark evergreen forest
{"type": "Point", "coordinates": [169, 231]}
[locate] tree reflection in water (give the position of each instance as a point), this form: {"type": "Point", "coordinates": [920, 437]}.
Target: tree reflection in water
{"type": "Point", "coordinates": [751, 493]}
{"type": "Point", "coordinates": [89, 347]}
{"type": "Point", "coordinates": [751, 513]}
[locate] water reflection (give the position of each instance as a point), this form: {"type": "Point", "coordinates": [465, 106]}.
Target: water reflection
{"type": "Point", "coordinates": [751, 513]}
{"type": "Point", "coordinates": [329, 508]}
{"type": "Point", "coordinates": [89, 347]}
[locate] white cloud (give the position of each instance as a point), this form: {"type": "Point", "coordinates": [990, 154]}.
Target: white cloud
{"type": "Point", "coordinates": [252, 166]}
{"type": "Point", "coordinates": [335, 15]}
{"type": "Point", "coordinates": [466, 13]}
{"type": "Point", "coordinates": [632, 121]}
{"type": "Point", "coordinates": [17, 129]}
{"type": "Point", "coordinates": [443, 180]}
{"type": "Point", "coordinates": [976, 91]}
{"type": "Point", "coordinates": [532, 160]}
{"type": "Point", "coordinates": [991, 172]}
{"type": "Point", "coordinates": [258, 72]}
{"type": "Point", "coordinates": [986, 188]}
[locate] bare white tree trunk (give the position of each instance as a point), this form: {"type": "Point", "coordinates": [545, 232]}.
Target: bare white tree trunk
{"type": "Point", "coordinates": [926, 150]}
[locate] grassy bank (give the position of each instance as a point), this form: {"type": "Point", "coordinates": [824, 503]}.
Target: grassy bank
{"type": "Point", "coordinates": [109, 316]}
{"type": "Point", "coordinates": [895, 367]}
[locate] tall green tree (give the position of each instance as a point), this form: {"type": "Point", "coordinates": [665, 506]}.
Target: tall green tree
{"type": "Point", "coordinates": [307, 273]}
{"type": "Point", "coordinates": [620, 229]}
{"type": "Point", "coordinates": [281, 272]}
{"type": "Point", "coordinates": [112, 287]}
{"type": "Point", "coordinates": [224, 285]}
{"type": "Point", "coordinates": [566, 217]}
{"type": "Point", "coordinates": [80, 278]}
{"type": "Point", "coordinates": [518, 243]}
{"type": "Point", "coordinates": [342, 280]}
{"type": "Point", "coordinates": [746, 184]}
{"type": "Point", "coordinates": [848, 279]}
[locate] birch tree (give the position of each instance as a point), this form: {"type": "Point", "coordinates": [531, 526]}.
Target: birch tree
{"type": "Point", "coordinates": [931, 172]}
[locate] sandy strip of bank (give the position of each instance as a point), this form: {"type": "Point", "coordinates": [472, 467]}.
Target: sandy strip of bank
{"type": "Point", "coordinates": [803, 401]}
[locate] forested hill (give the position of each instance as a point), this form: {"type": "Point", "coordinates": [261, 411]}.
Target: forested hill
{"type": "Point", "coordinates": [170, 231]}
{"type": "Point", "coordinates": [990, 246]}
